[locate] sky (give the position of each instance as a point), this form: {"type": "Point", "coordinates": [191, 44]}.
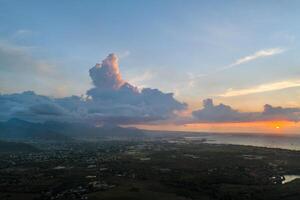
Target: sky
{"type": "Point", "coordinates": [241, 54]}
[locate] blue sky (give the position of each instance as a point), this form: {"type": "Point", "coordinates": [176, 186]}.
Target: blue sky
{"type": "Point", "coordinates": [183, 47]}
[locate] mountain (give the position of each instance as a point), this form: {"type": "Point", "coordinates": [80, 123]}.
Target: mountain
{"type": "Point", "coordinates": [83, 130]}
{"type": "Point", "coordinates": [16, 147]}
{"type": "Point", "coordinates": [62, 131]}
{"type": "Point", "coordinates": [23, 130]}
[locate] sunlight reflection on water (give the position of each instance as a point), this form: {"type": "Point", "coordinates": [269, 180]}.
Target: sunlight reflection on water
{"type": "Point", "coordinates": [289, 178]}
{"type": "Point", "coordinates": [288, 142]}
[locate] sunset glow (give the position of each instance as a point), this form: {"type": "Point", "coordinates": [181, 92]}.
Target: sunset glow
{"type": "Point", "coordinates": [183, 68]}
{"type": "Point", "coordinates": [272, 127]}
{"type": "Point", "coordinates": [149, 99]}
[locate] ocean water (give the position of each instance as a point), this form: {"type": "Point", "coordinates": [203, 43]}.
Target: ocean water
{"type": "Point", "coordinates": [289, 178]}
{"type": "Point", "coordinates": [271, 141]}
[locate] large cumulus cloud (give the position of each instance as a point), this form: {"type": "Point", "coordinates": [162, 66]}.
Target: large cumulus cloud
{"type": "Point", "coordinates": [107, 75]}
{"type": "Point", "coordinates": [211, 113]}
{"type": "Point", "coordinates": [111, 100]}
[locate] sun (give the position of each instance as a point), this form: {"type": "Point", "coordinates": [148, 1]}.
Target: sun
{"type": "Point", "coordinates": [277, 125]}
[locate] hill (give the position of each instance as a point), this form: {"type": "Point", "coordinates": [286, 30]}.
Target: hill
{"type": "Point", "coordinates": [23, 130]}
{"type": "Point", "coordinates": [62, 131]}
{"type": "Point", "coordinates": [16, 147]}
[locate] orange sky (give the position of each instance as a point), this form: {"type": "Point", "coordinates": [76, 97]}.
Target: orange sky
{"type": "Point", "coordinates": [275, 127]}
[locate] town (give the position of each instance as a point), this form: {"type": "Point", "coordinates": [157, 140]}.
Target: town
{"type": "Point", "coordinates": [148, 169]}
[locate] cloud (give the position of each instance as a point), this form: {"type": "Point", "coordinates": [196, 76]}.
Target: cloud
{"type": "Point", "coordinates": [22, 33]}
{"type": "Point", "coordinates": [47, 109]}
{"type": "Point", "coordinates": [290, 114]}
{"type": "Point", "coordinates": [15, 57]}
{"type": "Point", "coordinates": [221, 113]}
{"type": "Point", "coordinates": [107, 75]}
{"type": "Point", "coordinates": [192, 78]}
{"type": "Point", "coordinates": [32, 107]}
{"type": "Point", "coordinates": [113, 97]}
{"type": "Point", "coordinates": [262, 88]}
{"type": "Point", "coordinates": [124, 54]}
{"type": "Point", "coordinates": [259, 54]}
{"type": "Point", "coordinates": [111, 100]}
{"type": "Point", "coordinates": [141, 78]}
{"type": "Point", "coordinates": [18, 62]}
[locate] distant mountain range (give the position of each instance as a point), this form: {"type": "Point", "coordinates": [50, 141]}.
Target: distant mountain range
{"type": "Point", "coordinates": [60, 131]}
{"type": "Point", "coordinates": [16, 147]}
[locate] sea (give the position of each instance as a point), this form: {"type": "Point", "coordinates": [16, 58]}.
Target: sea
{"type": "Point", "coordinates": [291, 142]}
